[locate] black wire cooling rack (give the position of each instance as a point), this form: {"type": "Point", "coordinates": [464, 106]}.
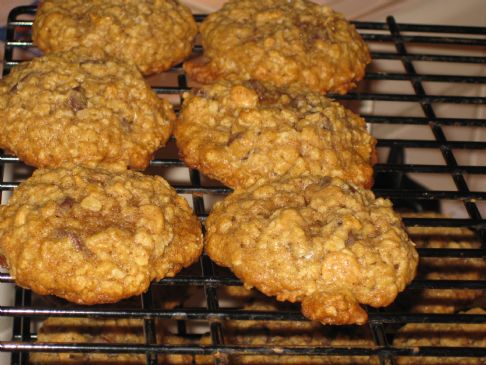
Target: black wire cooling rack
{"type": "Point", "coordinates": [409, 49]}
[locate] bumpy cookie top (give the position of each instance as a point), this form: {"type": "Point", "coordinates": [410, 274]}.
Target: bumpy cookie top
{"type": "Point", "coordinates": [321, 241]}
{"type": "Point", "coordinates": [94, 235]}
{"type": "Point", "coordinates": [282, 43]}
{"type": "Point", "coordinates": [239, 132]}
{"type": "Point", "coordinates": [81, 108]}
{"type": "Point", "coordinates": [151, 34]}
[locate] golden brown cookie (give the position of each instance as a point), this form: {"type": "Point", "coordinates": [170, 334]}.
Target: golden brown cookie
{"type": "Point", "coordinates": [152, 35]}
{"type": "Point", "coordinates": [89, 330]}
{"type": "Point", "coordinates": [442, 335]}
{"type": "Point", "coordinates": [436, 268]}
{"type": "Point", "coordinates": [96, 235]}
{"type": "Point", "coordinates": [81, 108]}
{"type": "Point", "coordinates": [296, 44]}
{"type": "Point", "coordinates": [278, 334]}
{"type": "Point", "coordinates": [320, 241]}
{"type": "Point", "coordinates": [100, 331]}
{"type": "Point", "coordinates": [240, 132]}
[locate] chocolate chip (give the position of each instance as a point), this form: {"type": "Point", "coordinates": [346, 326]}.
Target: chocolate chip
{"type": "Point", "coordinates": [373, 234]}
{"type": "Point", "coordinates": [247, 155]}
{"type": "Point", "coordinates": [351, 239]}
{"type": "Point", "coordinates": [3, 261]}
{"type": "Point", "coordinates": [310, 33]}
{"type": "Point", "coordinates": [14, 88]}
{"type": "Point", "coordinates": [258, 88]}
{"type": "Point", "coordinates": [64, 206]}
{"type": "Point", "coordinates": [307, 199]}
{"type": "Point", "coordinates": [126, 125]}
{"type": "Point", "coordinates": [297, 102]}
{"type": "Point", "coordinates": [76, 241]}
{"type": "Point", "coordinates": [325, 181]}
{"type": "Point", "coordinates": [233, 138]}
{"type": "Point", "coordinates": [77, 100]}
{"type": "Point", "coordinates": [67, 203]}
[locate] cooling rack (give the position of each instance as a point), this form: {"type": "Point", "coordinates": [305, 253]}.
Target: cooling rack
{"type": "Point", "coordinates": [436, 107]}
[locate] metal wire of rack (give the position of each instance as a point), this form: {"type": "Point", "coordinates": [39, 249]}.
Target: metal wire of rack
{"type": "Point", "coordinates": [399, 38]}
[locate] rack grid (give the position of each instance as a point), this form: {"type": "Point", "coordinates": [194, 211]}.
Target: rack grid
{"type": "Point", "coordinates": [443, 44]}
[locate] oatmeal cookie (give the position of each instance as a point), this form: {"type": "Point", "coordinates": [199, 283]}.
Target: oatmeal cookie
{"type": "Point", "coordinates": [442, 334]}
{"type": "Point", "coordinates": [296, 44]}
{"type": "Point", "coordinates": [437, 268]}
{"type": "Point", "coordinates": [321, 241]}
{"type": "Point", "coordinates": [95, 235]}
{"type": "Point", "coordinates": [239, 132]}
{"type": "Point", "coordinates": [89, 330]}
{"type": "Point", "coordinates": [102, 331]}
{"type": "Point", "coordinates": [81, 108]}
{"type": "Point", "coordinates": [278, 334]}
{"type": "Point", "coordinates": [152, 35]}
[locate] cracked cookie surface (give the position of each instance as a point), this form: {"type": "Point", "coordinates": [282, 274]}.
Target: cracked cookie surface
{"type": "Point", "coordinates": [95, 235]}
{"type": "Point", "coordinates": [153, 35]}
{"type": "Point", "coordinates": [240, 132]}
{"type": "Point", "coordinates": [81, 108]}
{"type": "Point", "coordinates": [320, 241]}
{"type": "Point", "coordinates": [297, 44]}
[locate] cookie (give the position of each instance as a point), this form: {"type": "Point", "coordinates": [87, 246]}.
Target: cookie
{"type": "Point", "coordinates": [89, 330]}
{"type": "Point", "coordinates": [442, 335]}
{"type": "Point", "coordinates": [81, 108]}
{"type": "Point", "coordinates": [436, 268]}
{"type": "Point", "coordinates": [292, 44]}
{"type": "Point", "coordinates": [95, 235]}
{"type": "Point", "coordinates": [152, 35]}
{"type": "Point", "coordinates": [320, 241]}
{"type": "Point", "coordinates": [101, 331]}
{"type": "Point", "coordinates": [279, 334]}
{"type": "Point", "coordinates": [240, 132]}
